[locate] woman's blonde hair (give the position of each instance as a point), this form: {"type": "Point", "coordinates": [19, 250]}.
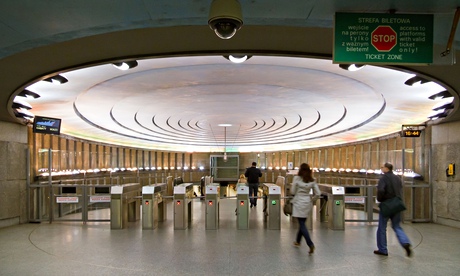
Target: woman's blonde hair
{"type": "Point", "coordinates": [242, 176]}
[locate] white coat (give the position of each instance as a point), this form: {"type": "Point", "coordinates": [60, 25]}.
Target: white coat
{"type": "Point", "coordinates": [302, 202]}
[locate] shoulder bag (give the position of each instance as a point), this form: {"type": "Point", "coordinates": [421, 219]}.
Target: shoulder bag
{"type": "Point", "coordinates": [287, 209]}
{"type": "Point", "coordinates": [392, 206]}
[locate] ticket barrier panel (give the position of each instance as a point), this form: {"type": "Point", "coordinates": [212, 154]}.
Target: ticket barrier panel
{"type": "Point", "coordinates": [336, 208]}
{"type": "Point", "coordinates": [124, 204]}
{"type": "Point", "coordinates": [183, 194]}
{"type": "Point", "coordinates": [242, 207]}
{"type": "Point", "coordinates": [212, 206]}
{"type": "Point", "coordinates": [153, 205]}
{"type": "Point", "coordinates": [335, 214]}
{"type": "Point", "coordinates": [321, 208]}
{"type": "Point", "coordinates": [272, 206]}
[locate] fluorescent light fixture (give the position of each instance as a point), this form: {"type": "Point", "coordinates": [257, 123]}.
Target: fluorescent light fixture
{"type": "Point", "coordinates": [28, 94]}
{"type": "Point", "coordinates": [416, 80]}
{"type": "Point", "coordinates": [442, 113]}
{"type": "Point", "coordinates": [445, 106]}
{"type": "Point", "coordinates": [225, 125]}
{"type": "Point", "coordinates": [58, 79]}
{"type": "Point", "coordinates": [440, 95]}
{"type": "Point", "coordinates": [351, 67]}
{"type": "Point", "coordinates": [125, 65]}
{"type": "Point", "coordinates": [20, 112]}
{"type": "Point", "coordinates": [18, 103]}
{"type": "Point", "coordinates": [238, 59]}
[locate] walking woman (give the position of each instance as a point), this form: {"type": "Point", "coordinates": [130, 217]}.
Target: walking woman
{"type": "Point", "coordinates": [302, 184]}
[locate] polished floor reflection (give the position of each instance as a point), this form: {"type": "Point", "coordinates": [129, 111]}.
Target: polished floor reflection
{"type": "Point", "coordinates": [71, 248]}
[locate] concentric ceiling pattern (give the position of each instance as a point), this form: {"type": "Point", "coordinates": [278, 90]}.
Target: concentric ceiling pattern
{"type": "Point", "coordinates": [267, 103]}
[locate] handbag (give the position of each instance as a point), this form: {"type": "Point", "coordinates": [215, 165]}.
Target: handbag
{"type": "Point", "coordinates": [287, 209]}
{"type": "Point", "coordinates": [392, 206]}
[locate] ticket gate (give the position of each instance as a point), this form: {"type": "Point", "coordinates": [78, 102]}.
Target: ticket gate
{"type": "Point", "coordinates": [183, 194]}
{"type": "Point", "coordinates": [212, 207]}
{"type": "Point", "coordinates": [272, 205]}
{"type": "Point", "coordinates": [153, 205]}
{"type": "Point", "coordinates": [124, 204]}
{"type": "Point", "coordinates": [336, 207]}
{"type": "Point", "coordinates": [335, 202]}
{"type": "Point", "coordinates": [242, 207]}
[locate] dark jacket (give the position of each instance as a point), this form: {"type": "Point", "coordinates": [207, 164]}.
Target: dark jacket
{"type": "Point", "coordinates": [253, 174]}
{"type": "Point", "coordinates": [389, 186]}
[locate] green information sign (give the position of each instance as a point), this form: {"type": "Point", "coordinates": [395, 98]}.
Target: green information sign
{"type": "Point", "coordinates": [374, 38]}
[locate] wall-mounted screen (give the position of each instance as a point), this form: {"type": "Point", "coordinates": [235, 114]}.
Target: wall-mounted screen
{"type": "Point", "coordinates": [47, 125]}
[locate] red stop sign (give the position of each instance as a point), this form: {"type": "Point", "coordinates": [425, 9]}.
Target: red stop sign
{"type": "Point", "coordinates": [384, 38]}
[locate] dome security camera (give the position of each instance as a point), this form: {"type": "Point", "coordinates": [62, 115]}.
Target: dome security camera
{"type": "Point", "coordinates": [225, 18]}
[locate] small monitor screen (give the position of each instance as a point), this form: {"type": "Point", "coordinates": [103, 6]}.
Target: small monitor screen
{"type": "Point", "coordinates": [47, 125]}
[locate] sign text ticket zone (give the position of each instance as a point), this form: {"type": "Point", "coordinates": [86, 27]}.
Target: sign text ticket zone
{"type": "Point", "coordinates": [381, 38]}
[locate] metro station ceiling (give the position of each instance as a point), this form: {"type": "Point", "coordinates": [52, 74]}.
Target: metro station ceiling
{"type": "Point", "coordinates": [207, 103]}
{"type": "Point", "coordinates": [271, 102]}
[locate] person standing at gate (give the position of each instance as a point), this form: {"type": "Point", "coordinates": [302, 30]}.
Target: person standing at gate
{"type": "Point", "coordinates": [302, 203]}
{"type": "Point", "coordinates": [390, 186]}
{"type": "Point", "coordinates": [253, 174]}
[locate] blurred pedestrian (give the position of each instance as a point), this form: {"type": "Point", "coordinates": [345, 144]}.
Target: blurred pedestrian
{"type": "Point", "coordinates": [302, 203]}
{"type": "Point", "coordinates": [253, 174]}
{"type": "Point", "coordinates": [390, 186]}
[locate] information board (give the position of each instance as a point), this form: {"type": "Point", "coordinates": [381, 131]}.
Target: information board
{"type": "Point", "coordinates": [375, 38]}
{"type": "Point", "coordinates": [47, 125]}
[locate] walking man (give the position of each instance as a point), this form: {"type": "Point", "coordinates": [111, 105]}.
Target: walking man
{"type": "Point", "coordinates": [390, 186]}
{"type": "Point", "coordinates": [253, 174]}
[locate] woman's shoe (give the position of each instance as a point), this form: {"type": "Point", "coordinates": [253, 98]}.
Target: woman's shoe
{"type": "Point", "coordinates": [296, 244]}
{"type": "Point", "coordinates": [312, 249]}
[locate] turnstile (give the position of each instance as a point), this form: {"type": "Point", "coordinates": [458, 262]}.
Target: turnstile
{"type": "Point", "coordinates": [153, 205]}
{"type": "Point", "coordinates": [124, 204]}
{"type": "Point", "coordinates": [242, 207]}
{"type": "Point", "coordinates": [183, 194]}
{"type": "Point", "coordinates": [334, 214]}
{"type": "Point", "coordinates": [321, 208]}
{"type": "Point", "coordinates": [336, 208]}
{"type": "Point", "coordinates": [272, 205]}
{"type": "Point", "coordinates": [212, 207]}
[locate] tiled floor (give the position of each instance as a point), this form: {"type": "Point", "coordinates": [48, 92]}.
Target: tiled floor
{"type": "Point", "coordinates": [70, 248]}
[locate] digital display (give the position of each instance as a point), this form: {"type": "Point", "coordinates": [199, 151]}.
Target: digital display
{"type": "Point", "coordinates": [411, 133]}
{"type": "Point", "coordinates": [47, 125]}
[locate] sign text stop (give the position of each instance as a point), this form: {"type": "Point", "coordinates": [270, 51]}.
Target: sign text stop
{"type": "Point", "coordinates": [384, 38]}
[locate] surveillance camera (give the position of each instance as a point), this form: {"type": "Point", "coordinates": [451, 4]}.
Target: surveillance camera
{"type": "Point", "coordinates": [225, 18]}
